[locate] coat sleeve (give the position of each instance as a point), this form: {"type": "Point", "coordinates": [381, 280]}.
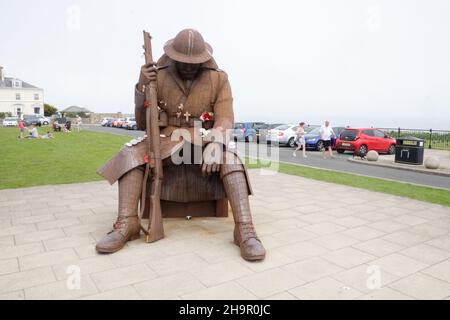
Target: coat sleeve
{"type": "Point", "coordinates": [139, 110]}
{"type": "Point", "coordinates": [223, 106]}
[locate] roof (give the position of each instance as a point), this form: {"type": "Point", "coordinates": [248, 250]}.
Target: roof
{"type": "Point", "coordinates": [76, 109]}
{"type": "Point", "coordinates": [7, 83]}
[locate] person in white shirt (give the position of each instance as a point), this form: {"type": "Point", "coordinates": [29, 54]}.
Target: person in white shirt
{"type": "Point", "coordinates": [33, 132]}
{"type": "Point", "coordinates": [78, 122]}
{"type": "Point", "coordinates": [326, 131]}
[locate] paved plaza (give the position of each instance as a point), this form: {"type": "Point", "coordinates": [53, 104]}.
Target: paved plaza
{"type": "Point", "coordinates": [323, 241]}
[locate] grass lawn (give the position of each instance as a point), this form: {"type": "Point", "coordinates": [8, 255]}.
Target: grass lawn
{"type": "Point", "coordinates": [428, 194]}
{"type": "Point", "coordinates": [67, 158]}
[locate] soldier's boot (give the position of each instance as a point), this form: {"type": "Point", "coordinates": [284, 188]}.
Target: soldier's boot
{"type": "Point", "coordinates": [245, 236]}
{"type": "Point", "coordinates": [127, 226]}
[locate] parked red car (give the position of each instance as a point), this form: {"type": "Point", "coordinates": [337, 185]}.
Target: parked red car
{"type": "Point", "coordinates": [362, 140]}
{"type": "Point", "coordinates": [117, 123]}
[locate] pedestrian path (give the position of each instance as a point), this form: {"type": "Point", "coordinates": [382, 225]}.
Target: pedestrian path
{"type": "Point", "coordinates": [323, 241]}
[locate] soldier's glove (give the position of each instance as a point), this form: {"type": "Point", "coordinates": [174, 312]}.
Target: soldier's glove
{"type": "Point", "coordinates": [212, 158]}
{"type": "Point", "coordinates": [148, 73]}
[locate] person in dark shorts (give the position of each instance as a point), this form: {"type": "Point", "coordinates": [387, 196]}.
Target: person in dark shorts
{"type": "Point", "coordinates": [326, 132]}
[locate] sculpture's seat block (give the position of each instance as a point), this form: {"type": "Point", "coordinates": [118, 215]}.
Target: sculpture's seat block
{"type": "Point", "coordinates": [185, 192]}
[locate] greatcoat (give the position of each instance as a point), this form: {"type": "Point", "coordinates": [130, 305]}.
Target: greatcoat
{"type": "Point", "coordinates": [210, 91]}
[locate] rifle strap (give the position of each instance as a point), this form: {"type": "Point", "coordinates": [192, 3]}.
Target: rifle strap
{"type": "Point", "coordinates": [147, 168]}
{"type": "Point", "coordinates": [143, 194]}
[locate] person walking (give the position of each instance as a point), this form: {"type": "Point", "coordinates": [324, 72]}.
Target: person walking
{"type": "Point", "coordinates": [326, 132]}
{"type": "Point", "coordinates": [21, 128]}
{"type": "Point", "coordinates": [300, 139]}
{"type": "Point", "coordinates": [78, 122]}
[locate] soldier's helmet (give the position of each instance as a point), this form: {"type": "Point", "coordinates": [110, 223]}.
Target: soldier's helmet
{"type": "Point", "coordinates": [188, 47]}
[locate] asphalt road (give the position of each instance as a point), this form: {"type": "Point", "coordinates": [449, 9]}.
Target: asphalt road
{"type": "Point", "coordinates": [314, 159]}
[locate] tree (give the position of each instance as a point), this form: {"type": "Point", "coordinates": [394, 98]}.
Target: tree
{"type": "Point", "coordinates": [5, 114]}
{"type": "Point", "coordinates": [49, 109]}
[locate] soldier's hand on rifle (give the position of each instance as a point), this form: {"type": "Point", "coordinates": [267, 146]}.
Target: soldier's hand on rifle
{"type": "Point", "coordinates": [212, 158]}
{"type": "Point", "coordinates": [148, 73]}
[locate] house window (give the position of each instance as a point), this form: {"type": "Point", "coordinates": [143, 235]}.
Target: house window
{"type": "Point", "coordinates": [37, 110]}
{"type": "Point", "coordinates": [36, 96]}
{"type": "Point", "coordinates": [17, 96]}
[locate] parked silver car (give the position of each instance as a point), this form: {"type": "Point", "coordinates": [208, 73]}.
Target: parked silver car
{"type": "Point", "coordinates": [130, 124]}
{"type": "Point", "coordinates": [283, 135]}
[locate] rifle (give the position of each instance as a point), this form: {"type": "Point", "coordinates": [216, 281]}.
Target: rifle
{"type": "Point", "coordinates": [155, 230]}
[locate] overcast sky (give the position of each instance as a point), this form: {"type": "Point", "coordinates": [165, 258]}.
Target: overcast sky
{"type": "Point", "coordinates": [354, 62]}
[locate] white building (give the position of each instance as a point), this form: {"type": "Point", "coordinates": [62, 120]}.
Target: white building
{"type": "Point", "coordinates": [19, 97]}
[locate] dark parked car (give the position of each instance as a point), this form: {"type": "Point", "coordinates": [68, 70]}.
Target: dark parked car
{"type": "Point", "coordinates": [242, 131]}
{"type": "Point", "coordinates": [261, 129]}
{"type": "Point", "coordinates": [258, 125]}
{"type": "Point", "coordinates": [110, 122]}
{"type": "Point", "coordinates": [313, 141]}
{"type": "Point", "coordinates": [29, 120]}
{"type": "Point", "coordinates": [250, 131]}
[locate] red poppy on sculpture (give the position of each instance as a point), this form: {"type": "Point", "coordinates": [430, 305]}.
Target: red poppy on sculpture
{"type": "Point", "coordinates": [207, 116]}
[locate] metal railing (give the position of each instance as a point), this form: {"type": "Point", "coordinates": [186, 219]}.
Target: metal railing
{"type": "Point", "coordinates": [434, 139]}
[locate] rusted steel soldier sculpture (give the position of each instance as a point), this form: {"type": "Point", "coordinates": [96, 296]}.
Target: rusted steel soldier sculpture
{"type": "Point", "coordinates": [190, 88]}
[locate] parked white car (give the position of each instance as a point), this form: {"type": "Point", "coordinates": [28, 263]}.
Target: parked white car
{"type": "Point", "coordinates": [44, 120]}
{"type": "Point", "coordinates": [283, 135]}
{"type": "Point", "coordinates": [10, 122]}
{"type": "Point", "coordinates": [131, 124]}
